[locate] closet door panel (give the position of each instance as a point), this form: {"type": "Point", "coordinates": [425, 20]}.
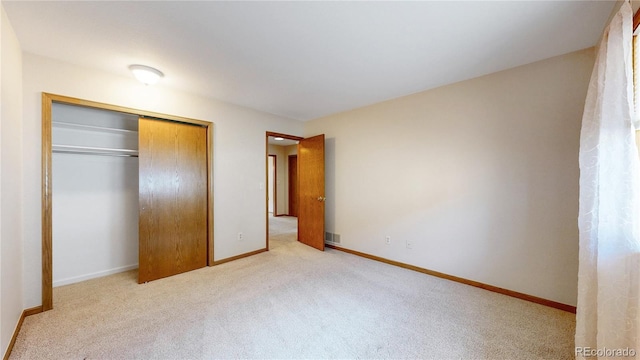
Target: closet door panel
{"type": "Point", "coordinates": [172, 198]}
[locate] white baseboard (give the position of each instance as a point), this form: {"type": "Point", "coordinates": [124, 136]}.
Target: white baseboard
{"type": "Point", "coordinates": [94, 275]}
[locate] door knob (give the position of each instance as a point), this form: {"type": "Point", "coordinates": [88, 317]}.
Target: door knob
{"type": "Point", "coordinates": [320, 198]}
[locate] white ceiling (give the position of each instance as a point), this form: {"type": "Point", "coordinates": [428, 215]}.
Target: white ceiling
{"type": "Point", "coordinates": [305, 60]}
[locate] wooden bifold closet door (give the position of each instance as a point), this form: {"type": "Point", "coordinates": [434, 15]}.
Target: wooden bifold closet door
{"type": "Point", "coordinates": [172, 198]}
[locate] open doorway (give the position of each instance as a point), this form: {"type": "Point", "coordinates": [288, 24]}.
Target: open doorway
{"type": "Point", "coordinates": [307, 199]}
{"type": "Point", "coordinates": [282, 185]}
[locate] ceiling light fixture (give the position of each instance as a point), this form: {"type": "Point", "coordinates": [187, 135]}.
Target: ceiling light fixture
{"type": "Point", "coordinates": [278, 138]}
{"type": "Point", "coordinates": [146, 74]}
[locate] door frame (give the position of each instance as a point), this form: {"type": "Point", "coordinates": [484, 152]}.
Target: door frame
{"type": "Point", "coordinates": [266, 175]}
{"type": "Point", "coordinates": [47, 188]}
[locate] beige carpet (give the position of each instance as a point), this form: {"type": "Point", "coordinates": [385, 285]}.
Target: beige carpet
{"type": "Point", "coordinates": [282, 229]}
{"type": "Point", "coordinates": [292, 302]}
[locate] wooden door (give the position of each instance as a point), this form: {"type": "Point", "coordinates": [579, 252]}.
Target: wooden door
{"type": "Point", "coordinates": [172, 198]}
{"type": "Point", "coordinates": [293, 185]}
{"type": "Point", "coordinates": [311, 191]}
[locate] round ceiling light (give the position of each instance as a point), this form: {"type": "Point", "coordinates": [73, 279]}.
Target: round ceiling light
{"type": "Point", "coordinates": [146, 74]}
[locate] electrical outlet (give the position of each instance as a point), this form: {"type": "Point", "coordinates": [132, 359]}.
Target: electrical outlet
{"type": "Point", "coordinates": [388, 239]}
{"type": "Point", "coordinates": [240, 236]}
{"type": "Point", "coordinates": [409, 244]}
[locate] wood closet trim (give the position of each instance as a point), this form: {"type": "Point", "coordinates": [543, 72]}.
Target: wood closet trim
{"type": "Point", "coordinates": [47, 236]}
{"type": "Point", "coordinates": [47, 213]}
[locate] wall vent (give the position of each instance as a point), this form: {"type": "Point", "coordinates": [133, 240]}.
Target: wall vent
{"type": "Point", "coordinates": [331, 238]}
{"type": "Point", "coordinates": [328, 237]}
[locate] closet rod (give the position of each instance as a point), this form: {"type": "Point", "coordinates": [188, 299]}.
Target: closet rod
{"type": "Point", "coordinates": [88, 150]}
{"type": "Point", "coordinates": [92, 127]}
{"type": "Point", "coordinates": [94, 153]}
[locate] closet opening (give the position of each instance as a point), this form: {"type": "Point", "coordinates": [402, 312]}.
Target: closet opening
{"type": "Point", "coordinates": [102, 174]}
{"type": "Point", "coordinates": [95, 192]}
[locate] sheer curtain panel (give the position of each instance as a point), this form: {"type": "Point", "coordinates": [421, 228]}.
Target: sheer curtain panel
{"type": "Point", "coordinates": [608, 276]}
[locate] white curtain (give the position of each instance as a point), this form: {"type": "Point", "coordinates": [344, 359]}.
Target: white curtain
{"type": "Point", "coordinates": [609, 271]}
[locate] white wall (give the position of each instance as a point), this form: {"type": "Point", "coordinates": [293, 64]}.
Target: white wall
{"type": "Point", "coordinates": [282, 160]}
{"type": "Point", "coordinates": [238, 152]}
{"type": "Point", "coordinates": [271, 188]}
{"type": "Point", "coordinates": [481, 176]}
{"type": "Point", "coordinates": [95, 217]}
{"type": "Point", "coordinates": [11, 175]}
{"type": "Point", "coordinates": [278, 151]}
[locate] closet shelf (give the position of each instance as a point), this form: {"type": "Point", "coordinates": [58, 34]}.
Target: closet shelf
{"type": "Point", "coordinates": [89, 150]}
{"type": "Point", "coordinates": [92, 127]}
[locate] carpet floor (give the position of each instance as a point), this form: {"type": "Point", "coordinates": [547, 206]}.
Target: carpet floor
{"type": "Point", "coordinates": [292, 302]}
